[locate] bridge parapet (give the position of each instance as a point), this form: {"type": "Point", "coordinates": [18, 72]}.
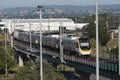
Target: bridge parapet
{"type": "Point", "coordinates": [79, 62]}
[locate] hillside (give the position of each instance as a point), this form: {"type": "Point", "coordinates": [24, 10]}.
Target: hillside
{"type": "Point", "coordinates": [63, 7]}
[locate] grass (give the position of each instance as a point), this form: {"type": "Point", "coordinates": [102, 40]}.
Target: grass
{"type": "Point", "coordinates": [15, 68]}
{"type": "Point", "coordinates": [62, 67]}
{"type": "Point", "coordinates": [112, 43]}
{"type": "Point", "coordinates": [2, 38]}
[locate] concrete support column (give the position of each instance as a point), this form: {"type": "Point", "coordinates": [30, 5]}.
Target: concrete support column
{"type": "Point", "coordinates": [20, 61]}
{"type": "Point", "coordinates": [22, 58]}
{"type": "Point", "coordinates": [16, 56]}
{"type": "Point", "coordinates": [112, 35]}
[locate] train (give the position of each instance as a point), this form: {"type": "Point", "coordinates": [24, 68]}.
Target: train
{"type": "Point", "coordinates": [72, 45]}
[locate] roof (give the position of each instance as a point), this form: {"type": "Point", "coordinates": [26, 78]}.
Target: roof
{"type": "Point", "coordinates": [38, 20]}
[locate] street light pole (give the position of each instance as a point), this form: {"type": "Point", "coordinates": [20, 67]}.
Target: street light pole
{"type": "Point", "coordinates": [6, 71]}
{"type": "Point", "coordinates": [5, 35]}
{"type": "Point", "coordinates": [41, 66]}
{"type": "Point", "coordinates": [11, 35]}
{"type": "Point", "coordinates": [119, 45]}
{"type": "Point", "coordinates": [107, 24]}
{"type": "Point", "coordinates": [30, 37]}
{"type": "Point", "coordinates": [61, 42]}
{"type": "Point", "coordinates": [97, 43]}
{"type": "Point", "coordinates": [48, 26]}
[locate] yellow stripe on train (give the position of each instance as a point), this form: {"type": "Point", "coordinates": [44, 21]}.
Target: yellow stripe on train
{"type": "Point", "coordinates": [85, 51]}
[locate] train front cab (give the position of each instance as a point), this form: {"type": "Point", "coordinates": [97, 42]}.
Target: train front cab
{"type": "Point", "coordinates": [84, 46]}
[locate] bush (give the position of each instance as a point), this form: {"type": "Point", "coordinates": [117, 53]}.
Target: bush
{"type": "Point", "coordinates": [31, 72]}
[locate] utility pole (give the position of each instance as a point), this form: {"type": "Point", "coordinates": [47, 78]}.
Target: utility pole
{"type": "Point", "coordinates": [97, 43]}
{"type": "Point", "coordinates": [119, 45]}
{"type": "Point", "coordinates": [62, 34]}
{"type": "Point", "coordinates": [107, 24]}
{"type": "Point", "coordinates": [61, 42]}
{"type": "Point", "coordinates": [48, 26]}
{"type": "Point", "coordinates": [11, 34]}
{"type": "Point", "coordinates": [6, 71]}
{"type": "Point", "coordinates": [41, 66]}
{"type": "Point", "coordinates": [62, 30]}
{"type": "Point", "coordinates": [5, 35]}
{"type": "Point", "coordinates": [30, 37]}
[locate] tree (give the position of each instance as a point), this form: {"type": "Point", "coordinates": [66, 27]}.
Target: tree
{"type": "Point", "coordinates": [5, 30]}
{"type": "Point", "coordinates": [50, 73]}
{"type": "Point", "coordinates": [10, 60]}
{"type": "Point", "coordinates": [103, 35]}
{"type": "Point", "coordinates": [0, 30]}
{"type": "Point", "coordinates": [2, 61]}
{"type": "Point", "coordinates": [114, 53]}
{"type": "Point", "coordinates": [28, 73]}
{"type": "Point", "coordinates": [91, 28]}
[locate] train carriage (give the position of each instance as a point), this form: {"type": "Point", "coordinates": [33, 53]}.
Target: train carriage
{"type": "Point", "coordinates": [68, 45]}
{"type": "Point", "coordinates": [75, 45]}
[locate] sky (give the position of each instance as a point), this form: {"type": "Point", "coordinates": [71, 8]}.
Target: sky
{"type": "Point", "coordinates": [34, 3]}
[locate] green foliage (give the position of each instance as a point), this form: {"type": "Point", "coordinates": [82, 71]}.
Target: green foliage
{"type": "Point", "coordinates": [0, 30]}
{"type": "Point", "coordinates": [114, 52]}
{"type": "Point", "coordinates": [10, 54]}
{"type": "Point", "coordinates": [2, 60]}
{"type": "Point", "coordinates": [93, 43]}
{"type": "Point", "coordinates": [63, 67]}
{"type": "Point", "coordinates": [31, 72]}
{"type": "Point", "coordinates": [112, 46]}
{"type": "Point", "coordinates": [89, 19]}
{"type": "Point", "coordinates": [112, 43]}
{"type": "Point", "coordinates": [103, 36]}
{"type": "Point", "coordinates": [5, 30]}
{"type": "Point", "coordinates": [91, 29]}
{"type": "Point", "coordinates": [10, 51]}
{"type": "Point", "coordinates": [51, 73]}
{"type": "Point", "coordinates": [10, 60]}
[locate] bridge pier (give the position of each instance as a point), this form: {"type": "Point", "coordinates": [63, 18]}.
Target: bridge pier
{"type": "Point", "coordinates": [83, 75]}
{"type": "Point", "coordinates": [31, 58]}
{"type": "Point", "coordinates": [21, 58]}
{"type": "Point", "coordinates": [18, 58]}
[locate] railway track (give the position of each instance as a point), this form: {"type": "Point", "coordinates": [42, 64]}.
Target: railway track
{"type": "Point", "coordinates": [105, 63]}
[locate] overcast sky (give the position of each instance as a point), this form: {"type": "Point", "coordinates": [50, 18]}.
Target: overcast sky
{"type": "Point", "coordinates": [34, 3]}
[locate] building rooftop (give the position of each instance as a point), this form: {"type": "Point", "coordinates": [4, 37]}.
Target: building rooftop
{"type": "Point", "coordinates": [38, 20]}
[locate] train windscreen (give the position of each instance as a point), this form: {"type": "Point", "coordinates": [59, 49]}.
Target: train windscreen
{"type": "Point", "coordinates": [84, 43]}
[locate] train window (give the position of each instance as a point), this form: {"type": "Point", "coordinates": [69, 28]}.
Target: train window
{"type": "Point", "coordinates": [84, 44]}
{"type": "Point", "coordinates": [84, 40]}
